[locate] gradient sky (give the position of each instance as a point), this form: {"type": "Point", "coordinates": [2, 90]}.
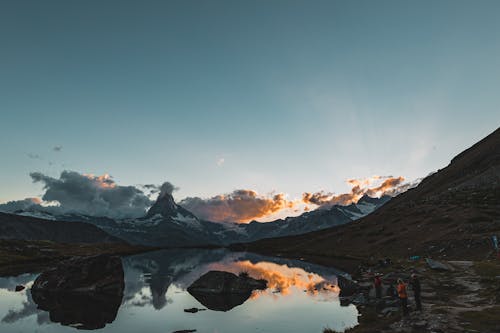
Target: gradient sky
{"type": "Point", "coordinates": [212, 96]}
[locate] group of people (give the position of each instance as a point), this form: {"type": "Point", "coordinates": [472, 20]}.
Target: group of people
{"type": "Point", "coordinates": [401, 291]}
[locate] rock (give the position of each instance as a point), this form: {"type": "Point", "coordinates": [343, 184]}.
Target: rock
{"type": "Point", "coordinates": [419, 324]}
{"type": "Point", "coordinates": [347, 287]}
{"type": "Point", "coordinates": [101, 273]}
{"type": "Point", "coordinates": [193, 310]}
{"type": "Point", "coordinates": [437, 265]}
{"type": "Point", "coordinates": [359, 299]}
{"type": "Point", "coordinates": [222, 291]}
{"type": "Point", "coordinates": [85, 293]}
{"type": "Point", "coordinates": [389, 310]}
{"type": "Point", "coordinates": [218, 282]}
{"type": "Point", "coordinates": [184, 331]}
{"type": "Point", "coordinates": [19, 288]}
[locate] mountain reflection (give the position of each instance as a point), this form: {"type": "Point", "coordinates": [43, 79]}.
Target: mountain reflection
{"type": "Point", "coordinates": [159, 270]}
{"type": "Point", "coordinates": [155, 295]}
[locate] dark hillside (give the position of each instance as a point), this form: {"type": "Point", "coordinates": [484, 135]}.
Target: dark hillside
{"type": "Point", "coordinates": [452, 213]}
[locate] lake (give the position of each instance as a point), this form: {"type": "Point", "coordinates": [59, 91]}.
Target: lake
{"type": "Point", "coordinates": [301, 297]}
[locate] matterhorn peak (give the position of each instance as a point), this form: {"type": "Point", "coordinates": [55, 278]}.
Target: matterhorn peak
{"type": "Point", "coordinates": [165, 204]}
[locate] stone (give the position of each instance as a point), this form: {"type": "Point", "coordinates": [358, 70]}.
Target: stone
{"type": "Point", "coordinates": [347, 287]}
{"type": "Point", "coordinates": [20, 288]}
{"type": "Point", "coordinates": [419, 324]}
{"type": "Point", "coordinates": [85, 293]}
{"type": "Point", "coordinates": [222, 291]}
{"type": "Point", "coordinates": [193, 310]}
{"type": "Point", "coordinates": [219, 282]}
{"type": "Point", "coordinates": [101, 273]}
{"type": "Point", "coordinates": [437, 265]}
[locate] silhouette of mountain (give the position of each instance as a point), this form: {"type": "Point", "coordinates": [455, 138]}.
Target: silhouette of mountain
{"type": "Point", "coordinates": [29, 228]}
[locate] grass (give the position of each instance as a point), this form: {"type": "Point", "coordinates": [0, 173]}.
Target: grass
{"type": "Point", "coordinates": [483, 320]}
{"type": "Point", "coordinates": [17, 256]}
{"type": "Point", "coordinates": [487, 269]}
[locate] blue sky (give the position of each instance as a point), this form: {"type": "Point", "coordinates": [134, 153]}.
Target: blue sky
{"type": "Point", "coordinates": [287, 96]}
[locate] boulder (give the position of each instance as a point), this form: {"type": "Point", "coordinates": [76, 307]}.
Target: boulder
{"type": "Point", "coordinates": [85, 293]}
{"type": "Point", "coordinates": [193, 310]}
{"type": "Point", "coordinates": [222, 291]}
{"type": "Point", "coordinates": [218, 282]}
{"type": "Point", "coordinates": [101, 273]}
{"type": "Point", "coordinates": [347, 287]}
{"type": "Point", "coordinates": [19, 288]}
{"type": "Point", "coordinates": [437, 265]}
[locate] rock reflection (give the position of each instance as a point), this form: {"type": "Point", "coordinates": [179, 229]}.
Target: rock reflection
{"type": "Point", "coordinates": [82, 293]}
{"type": "Point", "coordinates": [221, 302]}
{"type": "Point", "coordinates": [79, 310]}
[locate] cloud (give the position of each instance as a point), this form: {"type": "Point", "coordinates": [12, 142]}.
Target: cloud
{"type": "Point", "coordinates": [220, 161]}
{"type": "Point", "coordinates": [389, 186]}
{"type": "Point", "coordinates": [17, 205]}
{"type": "Point", "coordinates": [92, 195]}
{"type": "Point", "coordinates": [34, 156]}
{"type": "Point", "coordinates": [167, 188]}
{"type": "Point", "coordinates": [238, 206]}
{"type": "Point", "coordinates": [57, 148]}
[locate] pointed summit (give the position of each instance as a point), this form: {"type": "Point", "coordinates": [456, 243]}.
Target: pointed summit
{"type": "Point", "coordinates": [164, 206]}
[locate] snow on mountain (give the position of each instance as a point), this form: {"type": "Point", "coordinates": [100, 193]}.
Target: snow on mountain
{"type": "Point", "coordinates": [168, 224]}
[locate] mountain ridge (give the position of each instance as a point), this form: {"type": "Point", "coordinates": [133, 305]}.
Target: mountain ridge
{"type": "Point", "coordinates": [451, 213]}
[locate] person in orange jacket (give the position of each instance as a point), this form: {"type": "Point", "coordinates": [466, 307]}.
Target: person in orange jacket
{"type": "Point", "coordinates": [403, 296]}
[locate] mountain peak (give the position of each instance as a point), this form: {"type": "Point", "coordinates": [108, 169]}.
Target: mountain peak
{"type": "Point", "coordinates": [164, 206]}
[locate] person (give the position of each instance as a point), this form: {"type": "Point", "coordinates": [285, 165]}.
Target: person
{"type": "Point", "coordinates": [415, 286]}
{"type": "Point", "coordinates": [377, 283]}
{"type": "Point", "coordinates": [403, 296]}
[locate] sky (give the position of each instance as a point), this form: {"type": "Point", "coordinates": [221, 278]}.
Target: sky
{"type": "Point", "coordinates": [268, 96]}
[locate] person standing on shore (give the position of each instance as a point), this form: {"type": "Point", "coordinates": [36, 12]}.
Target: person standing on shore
{"type": "Point", "coordinates": [415, 286]}
{"type": "Point", "coordinates": [403, 296]}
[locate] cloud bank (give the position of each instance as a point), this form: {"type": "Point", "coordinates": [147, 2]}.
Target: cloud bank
{"type": "Point", "coordinates": [84, 194]}
{"type": "Point", "coordinates": [92, 195]}
{"type": "Point", "coordinates": [239, 206]}
{"type": "Point", "coordinates": [387, 185]}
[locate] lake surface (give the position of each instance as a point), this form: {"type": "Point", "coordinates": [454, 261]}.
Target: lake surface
{"type": "Point", "coordinates": [301, 297]}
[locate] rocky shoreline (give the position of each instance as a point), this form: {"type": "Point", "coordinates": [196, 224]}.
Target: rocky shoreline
{"type": "Point", "coordinates": [463, 297]}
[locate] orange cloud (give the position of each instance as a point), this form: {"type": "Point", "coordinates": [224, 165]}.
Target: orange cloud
{"type": "Point", "coordinates": [359, 188]}
{"type": "Point", "coordinates": [104, 181]}
{"type": "Point", "coordinates": [388, 185]}
{"type": "Point", "coordinates": [238, 206]}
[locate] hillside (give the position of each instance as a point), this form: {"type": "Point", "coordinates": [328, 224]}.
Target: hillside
{"type": "Point", "coordinates": [30, 228]}
{"type": "Point", "coordinates": [452, 213]}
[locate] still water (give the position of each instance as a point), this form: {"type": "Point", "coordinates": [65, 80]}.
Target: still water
{"type": "Point", "coordinates": [301, 297]}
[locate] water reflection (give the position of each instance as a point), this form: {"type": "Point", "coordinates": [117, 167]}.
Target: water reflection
{"type": "Point", "coordinates": [82, 311]}
{"type": "Point", "coordinates": [301, 297]}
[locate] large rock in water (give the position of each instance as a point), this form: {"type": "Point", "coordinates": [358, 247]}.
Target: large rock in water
{"type": "Point", "coordinates": [85, 293]}
{"type": "Point", "coordinates": [222, 291]}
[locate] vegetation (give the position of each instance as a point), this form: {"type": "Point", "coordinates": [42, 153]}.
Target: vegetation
{"type": "Point", "coordinates": [483, 320]}
{"type": "Point", "coordinates": [18, 256]}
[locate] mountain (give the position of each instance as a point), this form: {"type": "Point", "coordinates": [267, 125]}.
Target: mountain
{"type": "Point", "coordinates": [451, 213]}
{"type": "Point", "coordinates": [29, 228]}
{"type": "Point", "coordinates": [310, 221]}
{"type": "Point", "coordinates": [168, 224]}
